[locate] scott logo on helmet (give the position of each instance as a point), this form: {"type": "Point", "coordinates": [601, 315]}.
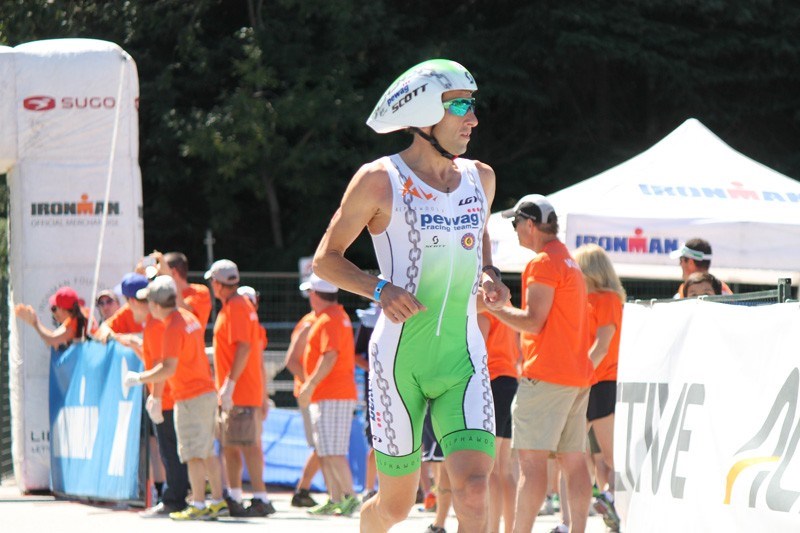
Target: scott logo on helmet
{"type": "Point", "coordinates": [408, 97]}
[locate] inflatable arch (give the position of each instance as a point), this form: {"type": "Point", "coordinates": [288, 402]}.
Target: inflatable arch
{"type": "Point", "coordinates": [69, 145]}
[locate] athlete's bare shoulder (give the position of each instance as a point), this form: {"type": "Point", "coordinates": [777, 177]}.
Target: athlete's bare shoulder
{"type": "Point", "coordinates": [487, 178]}
{"type": "Point", "coordinates": [370, 194]}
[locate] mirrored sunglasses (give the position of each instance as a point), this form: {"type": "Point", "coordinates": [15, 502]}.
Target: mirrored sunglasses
{"type": "Point", "coordinates": [459, 106]}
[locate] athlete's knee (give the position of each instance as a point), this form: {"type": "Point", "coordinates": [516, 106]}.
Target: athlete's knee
{"type": "Point", "coordinates": [395, 509]}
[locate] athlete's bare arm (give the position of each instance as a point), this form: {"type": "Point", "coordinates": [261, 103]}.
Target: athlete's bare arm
{"type": "Point", "coordinates": [366, 203]}
{"type": "Point", "coordinates": [495, 293]}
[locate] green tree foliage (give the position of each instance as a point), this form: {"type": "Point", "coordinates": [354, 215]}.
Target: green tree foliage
{"type": "Point", "coordinates": [252, 112]}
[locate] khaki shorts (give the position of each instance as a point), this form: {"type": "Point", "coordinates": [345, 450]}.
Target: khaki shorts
{"type": "Point", "coordinates": [241, 426]}
{"type": "Point", "coordinates": [551, 417]}
{"type": "Point", "coordinates": [194, 426]}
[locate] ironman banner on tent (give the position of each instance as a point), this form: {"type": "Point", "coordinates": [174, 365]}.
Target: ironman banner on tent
{"type": "Point", "coordinates": [68, 125]}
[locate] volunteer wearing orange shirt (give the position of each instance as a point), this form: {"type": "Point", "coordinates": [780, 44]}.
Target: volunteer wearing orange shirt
{"type": "Point", "coordinates": [195, 297]}
{"type": "Point", "coordinates": [329, 391]}
{"type": "Point", "coordinates": [549, 411]}
{"type": "Point", "coordinates": [239, 373]}
{"type": "Point", "coordinates": [185, 367]}
{"type": "Point", "coordinates": [294, 363]}
{"type": "Point", "coordinates": [160, 405]}
{"type": "Point", "coordinates": [502, 346]}
{"type": "Point", "coordinates": [66, 309]}
{"type": "Point", "coordinates": [122, 321]}
{"type": "Point", "coordinates": [606, 296]}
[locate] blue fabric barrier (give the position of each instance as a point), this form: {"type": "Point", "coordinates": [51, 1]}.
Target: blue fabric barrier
{"type": "Point", "coordinates": [283, 440]}
{"type": "Point", "coordinates": [95, 424]}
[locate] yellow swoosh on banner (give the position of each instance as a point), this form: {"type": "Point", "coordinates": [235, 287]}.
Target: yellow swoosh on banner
{"type": "Point", "coordinates": [737, 468]}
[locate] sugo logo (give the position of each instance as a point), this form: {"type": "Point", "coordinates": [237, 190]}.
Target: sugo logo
{"type": "Point", "coordinates": [39, 103]}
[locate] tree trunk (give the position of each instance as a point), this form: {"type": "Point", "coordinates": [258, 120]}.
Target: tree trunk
{"type": "Point", "coordinates": [274, 209]}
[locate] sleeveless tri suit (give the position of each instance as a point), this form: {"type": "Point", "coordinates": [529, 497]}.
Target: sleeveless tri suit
{"type": "Point", "coordinates": [431, 248]}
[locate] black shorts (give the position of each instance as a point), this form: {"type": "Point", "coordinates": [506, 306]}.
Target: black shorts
{"type": "Point", "coordinates": [431, 451]}
{"type": "Point", "coordinates": [504, 388]}
{"type": "Point", "coordinates": [602, 400]}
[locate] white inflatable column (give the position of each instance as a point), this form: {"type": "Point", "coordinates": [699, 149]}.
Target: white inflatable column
{"type": "Point", "coordinates": [65, 107]}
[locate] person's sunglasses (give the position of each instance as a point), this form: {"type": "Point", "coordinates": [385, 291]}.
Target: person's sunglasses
{"type": "Point", "coordinates": [104, 302]}
{"type": "Point", "coordinates": [53, 308]}
{"type": "Point", "coordinates": [459, 106]}
{"type": "Point", "coordinates": [515, 220]}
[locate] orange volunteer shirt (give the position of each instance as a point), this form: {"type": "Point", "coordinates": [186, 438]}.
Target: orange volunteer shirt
{"type": "Point", "coordinates": [304, 322]}
{"type": "Point", "coordinates": [198, 297]}
{"type": "Point", "coordinates": [332, 331]}
{"type": "Point", "coordinates": [559, 353]}
{"type": "Point", "coordinates": [122, 321]}
{"type": "Point", "coordinates": [607, 310]}
{"type": "Point", "coordinates": [237, 322]}
{"type": "Point", "coordinates": [152, 342]}
{"type": "Point", "coordinates": [502, 348]}
{"type": "Point", "coordinates": [183, 339]}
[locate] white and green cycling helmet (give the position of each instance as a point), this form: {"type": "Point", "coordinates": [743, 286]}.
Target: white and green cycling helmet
{"type": "Point", "coordinates": [414, 100]}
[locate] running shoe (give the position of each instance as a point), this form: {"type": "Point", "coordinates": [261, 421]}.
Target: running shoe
{"type": "Point", "coordinates": [236, 509]}
{"type": "Point", "coordinates": [560, 528]}
{"type": "Point", "coordinates": [326, 509]}
{"type": "Point", "coordinates": [191, 513]}
{"type": "Point", "coordinates": [429, 503]}
{"type": "Point", "coordinates": [435, 529]}
{"type": "Point", "coordinates": [302, 498]}
{"type": "Point", "coordinates": [157, 511]}
{"type": "Point", "coordinates": [547, 507]}
{"type": "Point", "coordinates": [216, 510]}
{"type": "Point", "coordinates": [259, 507]}
{"type": "Point", "coordinates": [347, 507]}
{"type": "Point", "coordinates": [605, 507]}
{"type": "Point", "coordinates": [368, 495]}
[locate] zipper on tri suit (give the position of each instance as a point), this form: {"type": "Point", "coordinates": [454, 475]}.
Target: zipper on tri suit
{"type": "Point", "coordinates": [450, 272]}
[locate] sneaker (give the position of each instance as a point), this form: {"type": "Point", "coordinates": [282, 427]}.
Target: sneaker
{"type": "Point", "coordinates": [235, 508]}
{"type": "Point", "coordinates": [547, 507]}
{"type": "Point", "coordinates": [216, 510]}
{"type": "Point", "coordinates": [302, 498]}
{"type": "Point", "coordinates": [435, 529]}
{"type": "Point", "coordinates": [259, 507]}
{"type": "Point", "coordinates": [157, 511]}
{"type": "Point", "coordinates": [191, 513]}
{"type": "Point", "coordinates": [347, 507]}
{"type": "Point", "coordinates": [605, 507]}
{"type": "Point", "coordinates": [326, 509]}
{"type": "Point", "coordinates": [560, 528]}
{"type": "Point", "coordinates": [556, 503]}
{"type": "Point", "coordinates": [429, 503]}
{"type": "Point", "coordinates": [368, 495]}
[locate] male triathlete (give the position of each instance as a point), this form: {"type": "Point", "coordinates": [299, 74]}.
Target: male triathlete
{"type": "Point", "coordinates": [426, 211]}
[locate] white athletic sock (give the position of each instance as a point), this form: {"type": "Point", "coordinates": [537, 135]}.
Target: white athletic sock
{"type": "Point", "coordinates": [609, 496]}
{"type": "Point", "coordinates": [235, 495]}
{"type": "Point", "coordinates": [261, 496]}
{"type": "Point", "coordinates": [199, 504]}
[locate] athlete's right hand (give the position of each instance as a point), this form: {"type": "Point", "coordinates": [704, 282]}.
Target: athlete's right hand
{"type": "Point", "coordinates": [398, 304]}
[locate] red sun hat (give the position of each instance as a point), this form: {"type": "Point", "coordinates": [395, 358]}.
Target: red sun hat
{"type": "Point", "coordinates": [65, 298]}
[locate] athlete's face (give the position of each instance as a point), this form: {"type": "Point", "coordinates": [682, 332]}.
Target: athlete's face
{"type": "Point", "coordinates": [687, 267]}
{"type": "Point", "coordinates": [700, 289]}
{"type": "Point", "coordinates": [453, 132]}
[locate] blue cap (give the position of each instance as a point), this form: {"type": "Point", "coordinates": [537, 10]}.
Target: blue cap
{"type": "Point", "coordinates": [131, 283]}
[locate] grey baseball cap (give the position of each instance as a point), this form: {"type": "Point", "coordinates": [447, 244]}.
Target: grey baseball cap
{"type": "Point", "coordinates": [225, 271]}
{"type": "Point", "coordinates": [161, 290]}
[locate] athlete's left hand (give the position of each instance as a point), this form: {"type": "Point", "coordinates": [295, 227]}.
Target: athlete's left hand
{"type": "Point", "coordinates": [495, 293]}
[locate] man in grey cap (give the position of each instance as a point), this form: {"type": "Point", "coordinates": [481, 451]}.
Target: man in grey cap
{"type": "Point", "coordinates": [240, 379]}
{"type": "Point", "coordinates": [549, 411]}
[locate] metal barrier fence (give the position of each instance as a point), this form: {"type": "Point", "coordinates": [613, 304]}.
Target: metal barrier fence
{"type": "Point", "coordinates": [782, 293]}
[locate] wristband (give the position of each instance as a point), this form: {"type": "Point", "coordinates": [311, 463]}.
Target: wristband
{"type": "Point", "coordinates": [378, 290]}
{"type": "Point", "coordinates": [494, 269]}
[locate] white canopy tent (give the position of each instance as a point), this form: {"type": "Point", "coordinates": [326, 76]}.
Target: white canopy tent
{"type": "Point", "coordinates": [690, 184]}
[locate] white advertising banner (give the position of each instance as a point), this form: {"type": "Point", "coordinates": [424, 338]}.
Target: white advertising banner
{"type": "Point", "coordinates": [70, 97]}
{"type": "Point", "coordinates": [8, 113]}
{"type": "Point", "coordinates": [707, 418]}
